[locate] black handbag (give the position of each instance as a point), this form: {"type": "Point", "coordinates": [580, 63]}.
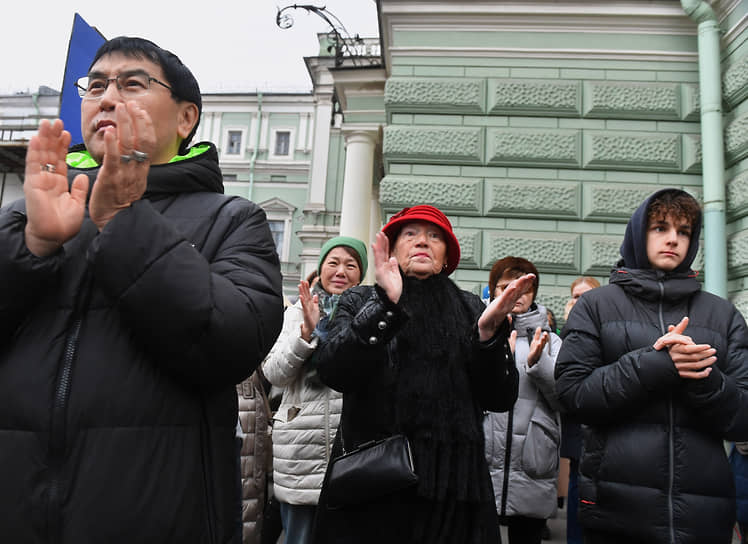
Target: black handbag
{"type": "Point", "coordinates": [371, 471]}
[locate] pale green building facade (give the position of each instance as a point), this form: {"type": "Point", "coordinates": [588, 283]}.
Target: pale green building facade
{"type": "Point", "coordinates": [537, 126]}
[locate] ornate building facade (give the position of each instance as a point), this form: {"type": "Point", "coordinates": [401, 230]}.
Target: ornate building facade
{"type": "Point", "coordinates": [539, 126]}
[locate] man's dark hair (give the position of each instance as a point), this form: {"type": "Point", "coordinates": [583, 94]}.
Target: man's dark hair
{"type": "Point", "coordinates": [678, 204]}
{"type": "Point", "coordinates": [183, 84]}
{"type": "Point", "coordinates": [513, 267]}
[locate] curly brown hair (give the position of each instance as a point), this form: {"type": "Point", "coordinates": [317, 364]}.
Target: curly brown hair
{"type": "Point", "coordinates": [677, 204]}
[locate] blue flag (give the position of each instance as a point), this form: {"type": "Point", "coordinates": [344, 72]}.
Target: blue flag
{"type": "Point", "coordinates": [85, 40]}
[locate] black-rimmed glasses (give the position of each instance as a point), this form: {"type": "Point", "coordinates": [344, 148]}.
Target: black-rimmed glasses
{"type": "Point", "coordinates": [129, 85]}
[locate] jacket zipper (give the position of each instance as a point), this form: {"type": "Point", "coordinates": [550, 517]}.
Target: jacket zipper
{"type": "Point", "coordinates": [671, 426]}
{"type": "Point", "coordinates": [58, 430]}
{"type": "Point", "coordinates": [507, 461]}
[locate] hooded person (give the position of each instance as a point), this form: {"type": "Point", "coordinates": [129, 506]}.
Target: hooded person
{"type": "Point", "coordinates": [415, 355]}
{"type": "Point", "coordinates": [657, 372]}
{"type": "Point", "coordinates": [305, 423]}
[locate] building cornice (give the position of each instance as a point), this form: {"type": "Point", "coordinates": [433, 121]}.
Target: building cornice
{"type": "Point", "coordinates": [658, 17]}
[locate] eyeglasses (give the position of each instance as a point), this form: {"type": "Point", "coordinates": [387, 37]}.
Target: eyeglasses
{"type": "Point", "coordinates": [129, 85]}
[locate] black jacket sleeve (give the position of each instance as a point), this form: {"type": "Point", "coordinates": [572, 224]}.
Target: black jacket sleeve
{"type": "Point", "coordinates": [210, 319]}
{"type": "Point", "coordinates": [492, 369]}
{"type": "Point", "coordinates": [720, 401]}
{"type": "Point", "coordinates": [25, 278]}
{"type": "Point", "coordinates": [356, 347]}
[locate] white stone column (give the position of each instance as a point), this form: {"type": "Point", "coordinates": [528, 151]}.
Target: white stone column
{"type": "Point", "coordinates": [357, 184]}
{"type": "Point", "coordinates": [321, 127]}
{"type": "Point", "coordinates": [375, 225]}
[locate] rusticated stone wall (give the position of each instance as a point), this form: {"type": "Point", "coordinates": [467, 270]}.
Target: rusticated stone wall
{"type": "Point", "coordinates": [550, 167]}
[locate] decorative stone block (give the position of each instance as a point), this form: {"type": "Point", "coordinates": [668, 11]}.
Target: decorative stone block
{"type": "Point", "coordinates": [542, 199]}
{"type": "Point", "coordinates": [613, 202]}
{"type": "Point", "coordinates": [551, 147]}
{"type": "Point", "coordinates": [692, 157]}
{"type": "Point", "coordinates": [737, 196]}
{"type": "Point", "coordinates": [470, 247]}
{"type": "Point", "coordinates": [600, 254]}
{"type": "Point", "coordinates": [736, 140]}
{"type": "Point", "coordinates": [740, 301]}
{"type": "Point", "coordinates": [451, 195]}
{"type": "Point", "coordinates": [691, 102]}
{"type": "Point", "coordinates": [442, 95]}
{"type": "Point", "coordinates": [737, 253]}
{"type": "Point", "coordinates": [548, 251]}
{"type": "Point", "coordinates": [692, 153]}
{"type": "Point", "coordinates": [556, 302]}
{"type": "Point", "coordinates": [735, 82]}
{"type": "Point", "coordinates": [627, 151]}
{"type": "Point", "coordinates": [434, 144]}
{"type": "Point", "coordinates": [623, 100]}
{"type": "Point", "coordinates": [532, 97]}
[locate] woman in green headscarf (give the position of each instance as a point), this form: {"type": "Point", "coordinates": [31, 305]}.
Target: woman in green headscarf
{"type": "Point", "coordinates": [305, 423]}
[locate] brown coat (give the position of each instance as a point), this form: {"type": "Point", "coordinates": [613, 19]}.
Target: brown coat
{"type": "Point", "coordinates": [256, 454]}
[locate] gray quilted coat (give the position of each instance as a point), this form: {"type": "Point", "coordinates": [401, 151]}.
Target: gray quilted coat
{"type": "Point", "coordinates": [522, 445]}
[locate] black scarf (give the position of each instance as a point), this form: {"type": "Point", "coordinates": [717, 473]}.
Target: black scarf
{"type": "Point", "coordinates": [435, 404]}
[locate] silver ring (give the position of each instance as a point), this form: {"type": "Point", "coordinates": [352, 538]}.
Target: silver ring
{"type": "Point", "coordinates": [139, 156]}
{"type": "Point", "coordinates": [49, 167]}
{"type": "Point", "coordinates": [125, 158]}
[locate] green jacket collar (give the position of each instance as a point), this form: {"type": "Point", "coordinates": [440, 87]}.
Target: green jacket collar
{"type": "Point", "coordinates": [82, 159]}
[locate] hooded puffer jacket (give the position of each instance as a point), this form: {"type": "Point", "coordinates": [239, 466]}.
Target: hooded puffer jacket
{"type": "Point", "coordinates": [522, 445]}
{"type": "Point", "coordinates": [653, 466]}
{"type": "Point", "coordinates": [118, 359]}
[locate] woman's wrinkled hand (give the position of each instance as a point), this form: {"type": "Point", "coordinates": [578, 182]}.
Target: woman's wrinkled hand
{"type": "Point", "coordinates": [310, 309]}
{"type": "Point", "coordinates": [497, 311]}
{"type": "Point", "coordinates": [387, 270]}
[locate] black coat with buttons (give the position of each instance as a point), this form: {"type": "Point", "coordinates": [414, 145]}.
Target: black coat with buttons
{"type": "Point", "coordinates": [359, 360]}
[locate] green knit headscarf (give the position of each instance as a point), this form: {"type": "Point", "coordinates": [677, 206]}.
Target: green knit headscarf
{"type": "Point", "coordinates": [356, 245]}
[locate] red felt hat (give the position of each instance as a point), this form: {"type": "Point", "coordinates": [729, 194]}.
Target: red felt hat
{"type": "Point", "coordinates": [427, 213]}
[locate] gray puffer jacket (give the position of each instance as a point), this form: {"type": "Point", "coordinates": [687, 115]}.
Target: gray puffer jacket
{"type": "Point", "coordinates": [522, 445]}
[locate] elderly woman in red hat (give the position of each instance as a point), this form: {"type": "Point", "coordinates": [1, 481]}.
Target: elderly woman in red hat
{"type": "Point", "coordinates": [416, 355]}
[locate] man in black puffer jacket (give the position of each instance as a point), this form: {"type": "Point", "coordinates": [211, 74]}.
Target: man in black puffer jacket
{"type": "Point", "coordinates": [657, 371]}
{"type": "Point", "coordinates": [127, 314]}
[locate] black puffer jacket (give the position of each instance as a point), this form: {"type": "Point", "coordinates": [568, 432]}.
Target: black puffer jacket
{"type": "Point", "coordinates": [653, 467]}
{"type": "Point", "coordinates": [118, 359]}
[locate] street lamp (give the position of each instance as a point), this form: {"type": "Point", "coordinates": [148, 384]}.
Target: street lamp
{"type": "Point", "coordinates": [341, 40]}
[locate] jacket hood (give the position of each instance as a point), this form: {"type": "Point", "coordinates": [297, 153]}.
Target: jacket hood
{"type": "Point", "coordinates": [655, 285]}
{"type": "Point", "coordinates": [195, 171]}
{"type": "Point", "coordinates": [634, 246]}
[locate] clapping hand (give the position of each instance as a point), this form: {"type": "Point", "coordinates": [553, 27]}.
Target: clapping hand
{"type": "Point", "coordinates": [123, 176]}
{"type": "Point", "coordinates": [54, 213]}
{"type": "Point", "coordinates": [310, 309]}
{"type": "Point", "coordinates": [539, 341]}
{"type": "Point", "coordinates": [387, 270]}
{"type": "Point", "coordinates": [500, 307]}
